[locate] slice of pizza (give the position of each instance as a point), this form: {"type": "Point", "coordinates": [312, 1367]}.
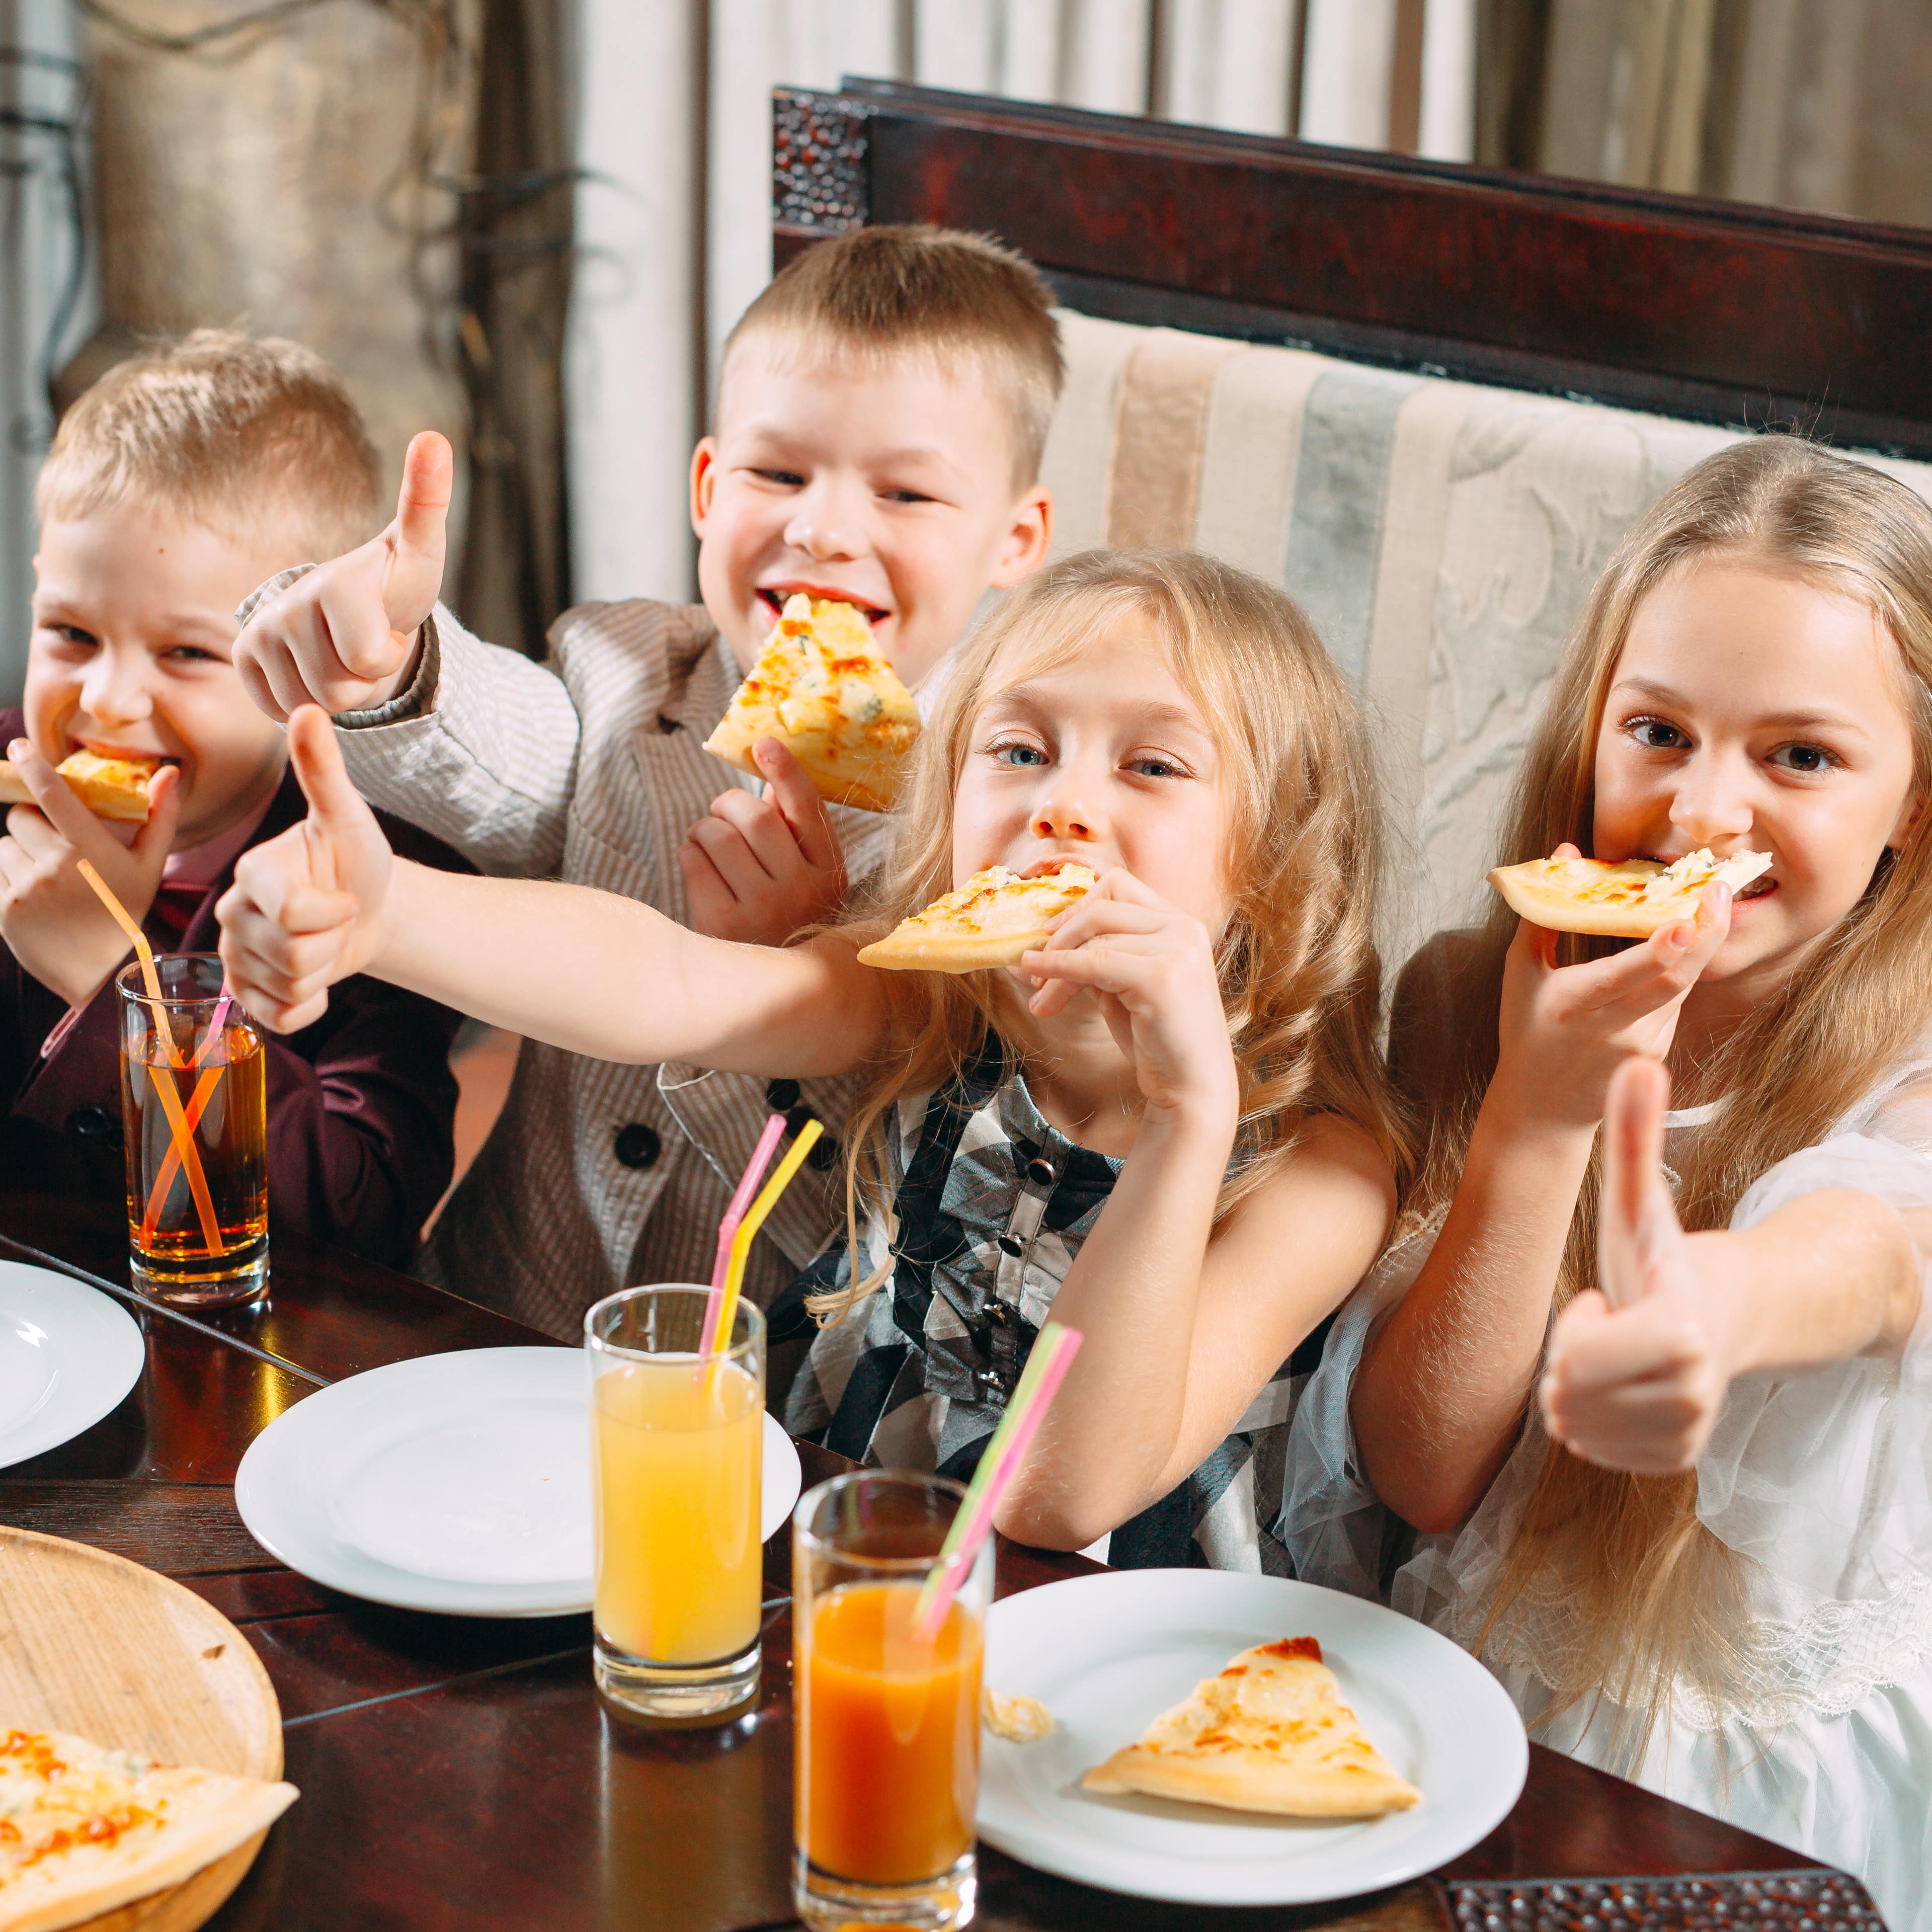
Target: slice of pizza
{"type": "Point", "coordinates": [84, 1828]}
{"type": "Point", "coordinates": [108, 787]}
{"type": "Point", "coordinates": [1271, 1733]}
{"type": "Point", "coordinates": [1629, 901]}
{"type": "Point", "coordinates": [838, 707]}
{"type": "Point", "coordinates": [991, 920]}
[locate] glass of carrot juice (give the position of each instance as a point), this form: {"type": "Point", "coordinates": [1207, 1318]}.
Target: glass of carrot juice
{"type": "Point", "coordinates": [887, 1719]}
{"type": "Point", "coordinates": [677, 1477]}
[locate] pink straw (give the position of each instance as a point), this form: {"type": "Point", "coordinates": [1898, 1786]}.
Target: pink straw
{"type": "Point", "coordinates": [979, 1508]}
{"type": "Point", "coordinates": [761, 1155]}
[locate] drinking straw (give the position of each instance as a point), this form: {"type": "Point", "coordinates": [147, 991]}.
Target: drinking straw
{"type": "Point", "coordinates": [1053, 1354]}
{"type": "Point", "coordinates": [741, 1242]}
{"type": "Point", "coordinates": [197, 1106]}
{"type": "Point", "coordinates": [164, 1089]}
{"type": "Point", "coordinates": [774, 1131]}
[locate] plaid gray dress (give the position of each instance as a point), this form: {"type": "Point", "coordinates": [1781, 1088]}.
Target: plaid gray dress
{"type": "Point", "coordinates": [993, 1203]}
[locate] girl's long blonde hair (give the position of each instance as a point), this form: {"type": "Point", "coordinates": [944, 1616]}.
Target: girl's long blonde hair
{"type": "Point", "coordinates": [1645, 1595]}
{"type": "Point", "coordinates": [1299, 976]}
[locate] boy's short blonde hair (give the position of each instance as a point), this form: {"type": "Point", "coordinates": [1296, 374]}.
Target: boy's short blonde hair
{"type": "Point", "coordinates": [888, 289]}
{"type": "Point", "coordinates": [242, 433]}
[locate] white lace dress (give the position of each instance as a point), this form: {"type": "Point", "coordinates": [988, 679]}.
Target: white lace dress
{"type": "Point", "coordinates": [1821, 1482]}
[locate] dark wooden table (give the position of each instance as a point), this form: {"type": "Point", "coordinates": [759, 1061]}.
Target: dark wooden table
{"type": "Point", "coordinates": [457, 1772]}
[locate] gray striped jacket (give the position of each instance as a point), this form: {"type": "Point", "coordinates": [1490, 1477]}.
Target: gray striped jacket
{"type": "Point", "coordinates": [590, 768]}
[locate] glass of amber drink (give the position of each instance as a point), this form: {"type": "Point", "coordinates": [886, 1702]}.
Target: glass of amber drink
{"type": "Point", "coordinates": [887, 1719]}
{"type": "Point", "coordinates": [194, 1113]}
{"type": "Point", "coordinates": [676, 1469]}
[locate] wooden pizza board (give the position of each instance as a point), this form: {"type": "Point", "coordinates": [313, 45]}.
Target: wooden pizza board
{"type": "Point", "coordinates": [93, 1644]}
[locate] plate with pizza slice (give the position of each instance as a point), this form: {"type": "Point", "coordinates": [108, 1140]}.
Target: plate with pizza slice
{"type": "Point", "coordinates": [1222, 1739]}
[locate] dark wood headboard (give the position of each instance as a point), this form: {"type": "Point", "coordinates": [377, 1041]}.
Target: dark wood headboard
{"type": "Point", "coordinates": [1709, 310]}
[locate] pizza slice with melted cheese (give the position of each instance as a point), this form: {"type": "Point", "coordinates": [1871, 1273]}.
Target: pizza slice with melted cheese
{"type": "Point", "coordinates": [108, 787]}
{"type": "Point", "coordinates": [838, 707]}
{"type": "Point", "coordinates": [1271, 1733]}
{"type": "Point", "coordinates": [1629, 901]}
{"type": "Point", "coordinates": [84, 1828]}
{"type": "Point", "coordinates": [994, 919]}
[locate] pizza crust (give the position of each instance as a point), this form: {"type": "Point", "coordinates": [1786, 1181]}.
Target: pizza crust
{"type": "Point", "coordinates": [1629, 901]}
{"type": "Point", "coordinates": [994, 919]}
{"type": "Point", "coordinates": [1271, 1733]}
{"type": "Point", "coordinates": [838, 707]}
{"type": "Point", "coordinates": [114, 788]}
{"type": "Point", "coordinates": [84, 1829]}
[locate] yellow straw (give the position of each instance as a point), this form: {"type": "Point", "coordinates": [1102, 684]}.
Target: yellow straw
{"type": "Point", "coordinates": [164, 1088]}
{"type": "Point", "coordinates": [741, 1242]}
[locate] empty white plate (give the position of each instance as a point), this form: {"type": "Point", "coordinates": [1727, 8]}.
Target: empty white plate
{"type": "Point", "coordinates": [1106, 1655]}
{"type": "Point", "coordinates": [68, 1354]}
{"type": "Point", "coordinates": [458, 1483]}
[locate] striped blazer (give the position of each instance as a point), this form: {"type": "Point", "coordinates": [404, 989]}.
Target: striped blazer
{"type": "Point", "coordinates": [590, 768]}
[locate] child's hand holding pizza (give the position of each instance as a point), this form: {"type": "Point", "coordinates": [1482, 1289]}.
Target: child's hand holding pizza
{"type": "Point", "coordinates": [759, 870]}
{"type": "Point", "coordinates": [1152, 971]}
{"type": "Point", "coordinates": [1565, 1030]}
{"type": "Point", "coordinates": [306, 909]}
{"type": "Point", "coordinates": [49, 916]}
{"type": "Point", "coordinates": [344, 636]}
{"type": "Point", "coordinates": [1638, 1367]}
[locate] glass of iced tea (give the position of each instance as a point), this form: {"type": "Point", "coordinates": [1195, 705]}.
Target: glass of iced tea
{"type": "Point", "coordinates": [887, 1718]}
{"type": "Point", "coordinates": [677, 1472]}
{"type": "Point", "coordinates": [194, 1111]}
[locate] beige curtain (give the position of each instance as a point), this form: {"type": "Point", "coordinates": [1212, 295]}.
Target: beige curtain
{"type": "Point", "coordinates": [673, 212]}
{"type": "Point", "coordinates": [1821, 104]}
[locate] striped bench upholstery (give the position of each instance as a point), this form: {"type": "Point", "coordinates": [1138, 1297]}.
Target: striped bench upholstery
{"type": "Point", "coordinates": [1443, 536]}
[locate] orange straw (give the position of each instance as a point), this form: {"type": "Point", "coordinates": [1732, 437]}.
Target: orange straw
{"type": "Point", "coordinates": [741, 1242]}
{"type": "Point", "coordinates": [164, 1087]}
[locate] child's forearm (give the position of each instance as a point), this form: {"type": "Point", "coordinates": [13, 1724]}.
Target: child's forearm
{"type": "Point", "coordinates": [1829, 1276]}
{"type": "Point", "coordinates": [1132, 1292]}
{"type": "Point", "coordinates": [607, 977]}
{"type": "Point", "coordinates": [1443, 1386]}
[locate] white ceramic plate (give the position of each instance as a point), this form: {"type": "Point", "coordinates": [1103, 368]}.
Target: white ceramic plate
{"type": "Point", "coordinates": [1105, 1655]}
{"type": "Point", "coordinates": [458, 1483]}
{"type": "Point", "coordinates": [68, 1354]}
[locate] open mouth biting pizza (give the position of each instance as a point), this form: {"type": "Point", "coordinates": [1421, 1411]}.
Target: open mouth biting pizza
{"type": "Point", "coordinates": [84, 1828]}
{"type": "Point", "coordinates": [108, 787]}
{"type": "Point", "coordinates": [1271, 1733]}
{"type": "Point", "coordinates": [821, 690]}
{"type": "Point", "coordinates": [993, 919]}
{"type": "Point", "coordinates": [1629, 901]}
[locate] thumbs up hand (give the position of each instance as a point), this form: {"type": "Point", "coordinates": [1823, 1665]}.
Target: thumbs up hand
{"type": "Point", "coordinates": [344, 636]}
{"type": "Point", "coordinates": [1637, 1367]}
{"type": "Point", "coordinates": [306, 909]}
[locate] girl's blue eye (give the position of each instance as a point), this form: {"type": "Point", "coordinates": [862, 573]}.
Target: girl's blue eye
{"type": "Point", "coordinates": [1154, 768]}
{"type": "Point", "coordinates": [1653, 735]}
{"type": "Point", "coordinates": [1806, 758]}
{"type": "Point", "coordinates": [1018, 754]}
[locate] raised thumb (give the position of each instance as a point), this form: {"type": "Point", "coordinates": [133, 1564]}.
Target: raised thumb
{"type": "Point", "coordinates": [412, 578]}
{"type": "Point", "coordinates": [333, 804]}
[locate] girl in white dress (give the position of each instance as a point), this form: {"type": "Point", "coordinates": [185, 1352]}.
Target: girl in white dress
{"type": "Point", "coordinates": [1676, 1489]}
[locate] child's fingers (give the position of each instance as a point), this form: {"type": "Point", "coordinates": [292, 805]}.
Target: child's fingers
{"type": "Point", "coordinates": [54, 799]}
{"type": "Point", "coordinates": [156, 839]}
{"type": "Point", "coordinates": [1625, 1346]}
{"type": "Point", "coordinates": [351, 642]}
{"type": "Point", "coordinates": [412, 577]}
{"type": "Point", "coordinates": [1090, 918]}
{"type": "Point", "coordinates": [267, 666]}
{"type": "Point", "coordinates": [757, 827]}
{"type": "Point", "coordinates": [333, 803]}
{"type": "Point", "coordinates": [733, 856]}
{"type": "Point", "coordinates": [797, 799]}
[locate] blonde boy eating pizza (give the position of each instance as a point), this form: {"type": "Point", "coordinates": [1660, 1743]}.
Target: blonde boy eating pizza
{"type": "Point", "coordinates": [881, 411]}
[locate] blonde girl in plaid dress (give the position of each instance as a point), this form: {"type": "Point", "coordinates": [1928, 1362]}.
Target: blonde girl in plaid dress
{"type": "Point", "coordinates": [1193, 1053]}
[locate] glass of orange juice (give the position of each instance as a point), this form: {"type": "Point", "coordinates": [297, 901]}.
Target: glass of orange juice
{"type": "Point", "coordinates": [887, 1718]}
{"type": "Point", "coordinates": [192, 1077]}
{"type": "Point", "coordinates": [676, 1471]}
